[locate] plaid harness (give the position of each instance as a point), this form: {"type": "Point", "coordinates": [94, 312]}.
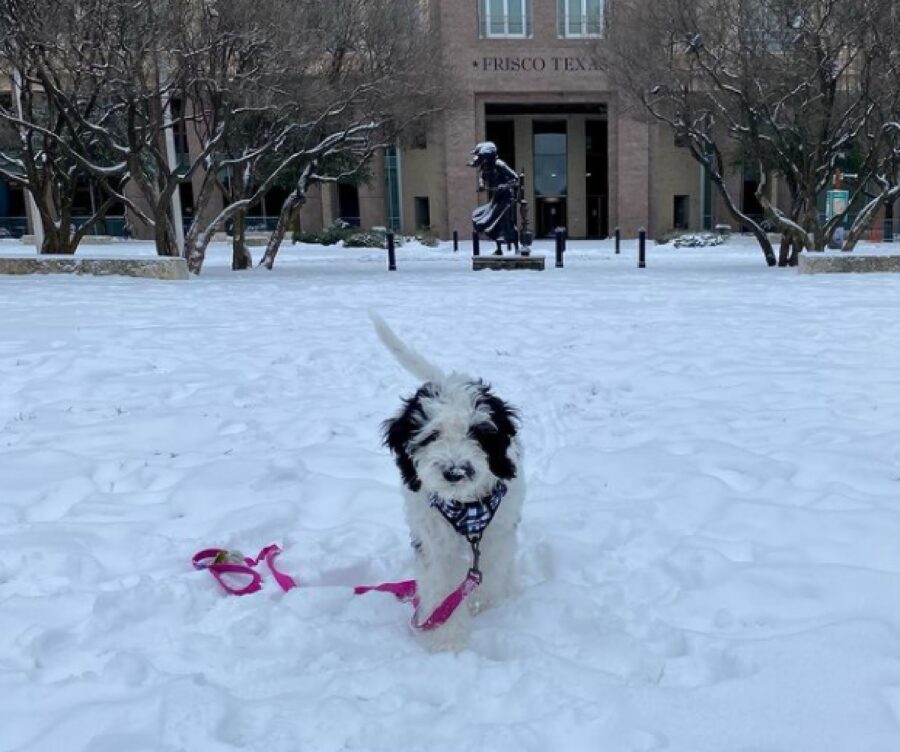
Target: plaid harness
{"type": "Point", "coordinates": [470, 519]}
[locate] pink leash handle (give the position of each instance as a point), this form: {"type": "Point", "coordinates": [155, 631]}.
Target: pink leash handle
{"type": "Point", "coordinates": [220, 561]}
{"type": "Point", "coordinates": [268, 554]}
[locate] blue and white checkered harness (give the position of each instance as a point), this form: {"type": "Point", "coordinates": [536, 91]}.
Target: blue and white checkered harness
{"type": "Point", "coordinates": [470, 519]}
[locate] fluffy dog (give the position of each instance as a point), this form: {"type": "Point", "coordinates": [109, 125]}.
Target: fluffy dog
{"type": "Point", "coordinates": [456, 446]}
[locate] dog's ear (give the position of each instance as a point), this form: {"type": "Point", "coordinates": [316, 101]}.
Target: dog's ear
{"type": "Point", "coordinates": [495, 443]}
{"type": "Point", "coordinates": [397, 432]}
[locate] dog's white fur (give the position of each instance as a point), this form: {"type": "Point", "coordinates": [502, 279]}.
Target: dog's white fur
{"type": "Point", "coordinates": [439, 422]}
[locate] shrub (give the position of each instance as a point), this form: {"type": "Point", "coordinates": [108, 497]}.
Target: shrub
{"type": "Point", "coordinates": [374, 238]}
{"type": "Point", "coordinates": [304, 237]}
{"type": "Point", "coordinates": [685, 239]}
{"type": "Point", "coordinates": [698, 240]}
{"type": "Point", "coordinates": [334, 233]}
{"type": "Point", "coordinates": [427, 237]}
{"type": "Point", "coordinates": [369, 239]}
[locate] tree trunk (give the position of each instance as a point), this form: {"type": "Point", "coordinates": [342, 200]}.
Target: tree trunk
{"type": "Point", "coordinates": [819, 240]}
{"type": "Point", "coordinates": [164, 237]}
{"type": "Point", "coordinates": [240, 255]}
{"type": "Point", "coordinates": [864, 218]}
{"type": "Point", "coordinates": [784, 251]}
{"type": "Point", "coordinates": [292, 202]}
{"type": "Point", "coordinates": [58, 238]}
{"type": "Point", "coordinates": [742, 219]}
{"type": "Point", "coordinates": [792, 235]}
{"type": "Point", "coordinates": [54, 241]}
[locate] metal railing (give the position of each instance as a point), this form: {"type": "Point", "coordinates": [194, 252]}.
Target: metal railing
{"type": "Point", "coordinates": [16, 227]}
{"type": "Point", "coordinates": [13, 227]}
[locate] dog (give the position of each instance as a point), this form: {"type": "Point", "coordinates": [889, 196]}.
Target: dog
{"type": "Point", "coordinates": [456, 445]}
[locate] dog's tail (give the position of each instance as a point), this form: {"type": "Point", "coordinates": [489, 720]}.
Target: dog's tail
{"type": "Point", "coordinates": [416, 364]}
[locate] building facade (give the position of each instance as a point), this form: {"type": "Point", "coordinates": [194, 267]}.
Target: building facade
{"type": "Point", "coordinates": [521, 73]}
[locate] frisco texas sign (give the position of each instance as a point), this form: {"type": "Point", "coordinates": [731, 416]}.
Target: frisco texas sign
{"type": "Point", "coordinates": [528, 64]}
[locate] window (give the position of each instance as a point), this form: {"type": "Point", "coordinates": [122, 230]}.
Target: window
{"type": "Point", "coordinates": [392, 194]}
{"type": "Point", "coordinates": [580, 18]}
{"type": "Point", "coordinates": [179, 130]}
{"type": "Point", "coordinates": [348, 204]}
{"type": "Point", "coordinates": [504, 18]}
{"type": "Point", "coordinates": [423, 212]}
{"type": "Point", "coordinates": [681, 212]}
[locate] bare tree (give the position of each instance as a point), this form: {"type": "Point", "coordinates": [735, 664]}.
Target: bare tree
{"type": "Point", "coordinates": [44, 45]}
{"type": "Point", "coordinates": [788, 85]}
{"type": "Point", "coordinates": [356, 73]}
{"type": "Point", "coordinates": [252, 91]}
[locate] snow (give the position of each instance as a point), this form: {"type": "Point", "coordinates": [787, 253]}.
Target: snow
{"type": "Point", "coordinates": [710, 550]}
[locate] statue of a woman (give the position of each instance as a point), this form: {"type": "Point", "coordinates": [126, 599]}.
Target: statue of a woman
{"type": "Point", "coordinates": [497, 218]}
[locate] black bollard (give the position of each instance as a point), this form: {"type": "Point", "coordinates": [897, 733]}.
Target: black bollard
{"type": "Point", "coordinates": [476, 251]}
{"type": "Point", "coordinates": [618, 241]}
{"type": "Point", "coordinates": [455, 241]}
{"type": "Point", "coordinates": [392, 256]}
{"type": "Point", "coordinates": [642, 249]}
{"type": "Point", "coordinates": [560, 246]}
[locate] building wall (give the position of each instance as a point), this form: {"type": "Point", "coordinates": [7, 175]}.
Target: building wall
{"type": "Point", "coordinates": [540, 70]}
{"type": "Point", "coordinates": [676, 173]}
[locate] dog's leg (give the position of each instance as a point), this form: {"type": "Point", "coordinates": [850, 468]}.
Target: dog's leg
{"type": "Point", "coordinates": [498, 570]}
{"type": "Point", "coordinates": [441, 565]}
{"type": "Point", "coordinates": [433, 588]}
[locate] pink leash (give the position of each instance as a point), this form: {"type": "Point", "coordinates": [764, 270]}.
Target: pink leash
{"type": "Point", "coordinates": [221, 562]}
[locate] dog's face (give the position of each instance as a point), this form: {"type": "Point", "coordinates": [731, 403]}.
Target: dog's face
{"type": "Point", "coordinates": [452, 438]}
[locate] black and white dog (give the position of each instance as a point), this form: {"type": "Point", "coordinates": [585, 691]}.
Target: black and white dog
{"type": "Point", "coordinates": [456, 446]}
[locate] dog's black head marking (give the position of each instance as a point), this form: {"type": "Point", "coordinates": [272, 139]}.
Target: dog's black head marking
{"type": "Point", "coordinates": [398, 433]}
{"type": "Point", "coordinates": [495, 437]}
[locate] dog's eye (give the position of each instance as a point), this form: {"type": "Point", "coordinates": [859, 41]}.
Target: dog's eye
{"type": "Point", "coordinates": [482, 428]}
{"type": "Point", "coordinates": [426, 440]}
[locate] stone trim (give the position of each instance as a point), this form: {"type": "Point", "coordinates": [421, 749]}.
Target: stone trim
{"type": "Point", "coordinates": [168, 268]}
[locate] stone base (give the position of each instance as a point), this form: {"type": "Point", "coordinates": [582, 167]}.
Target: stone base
{"type": "Point", "coordinates": [834, 264]}
{"type": "Point", "coordinates": [87, 239]}
{"type": "Point", "coordinates": [152, 268]}
{"type": "Point", "coordinates": [508, 262]}
{"type": "Point", "coordinates": [256, 239]}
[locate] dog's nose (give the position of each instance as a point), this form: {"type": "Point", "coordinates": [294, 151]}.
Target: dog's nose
{"type": "Point", "coordinates": [456, 473]}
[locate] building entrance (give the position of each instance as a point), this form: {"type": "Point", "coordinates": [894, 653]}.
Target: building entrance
{"type": "Point", "coordinates": [563, 149]}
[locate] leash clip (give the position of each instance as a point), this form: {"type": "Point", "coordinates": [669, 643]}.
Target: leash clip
{"type": "Point", "coordinates": [475, 543]}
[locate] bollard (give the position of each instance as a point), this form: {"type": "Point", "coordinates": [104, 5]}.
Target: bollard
{"type": "Point", "coordinates": [476, 251]}
{"type": "Point", "coordinates": [392, 256]}
{"type": "Point", "coordinates": [560, 246]}
{"type": "Point", "coordinates": [618, 241]}
{"type": "Point", "coordinates": [642, 249]}
{"type": "Point", "coordinates": [455, 241]}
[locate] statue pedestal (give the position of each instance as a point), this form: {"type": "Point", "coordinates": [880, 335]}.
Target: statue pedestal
{"type": "Point", "coordinates": [535, 263]}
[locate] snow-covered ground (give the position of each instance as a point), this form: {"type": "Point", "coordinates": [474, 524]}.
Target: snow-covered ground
{"type": "Point", "coordinates": [710, 551]}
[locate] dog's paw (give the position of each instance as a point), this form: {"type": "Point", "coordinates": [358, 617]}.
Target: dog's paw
{"type": "Point", "coordinates": [448, 638]}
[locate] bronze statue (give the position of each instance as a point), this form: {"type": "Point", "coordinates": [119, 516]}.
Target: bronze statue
{"type": "Point", "coordinates": [497, 218]}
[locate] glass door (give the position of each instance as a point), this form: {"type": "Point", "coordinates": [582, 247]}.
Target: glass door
{"type": "Point", "coordinates": [550, 175]}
